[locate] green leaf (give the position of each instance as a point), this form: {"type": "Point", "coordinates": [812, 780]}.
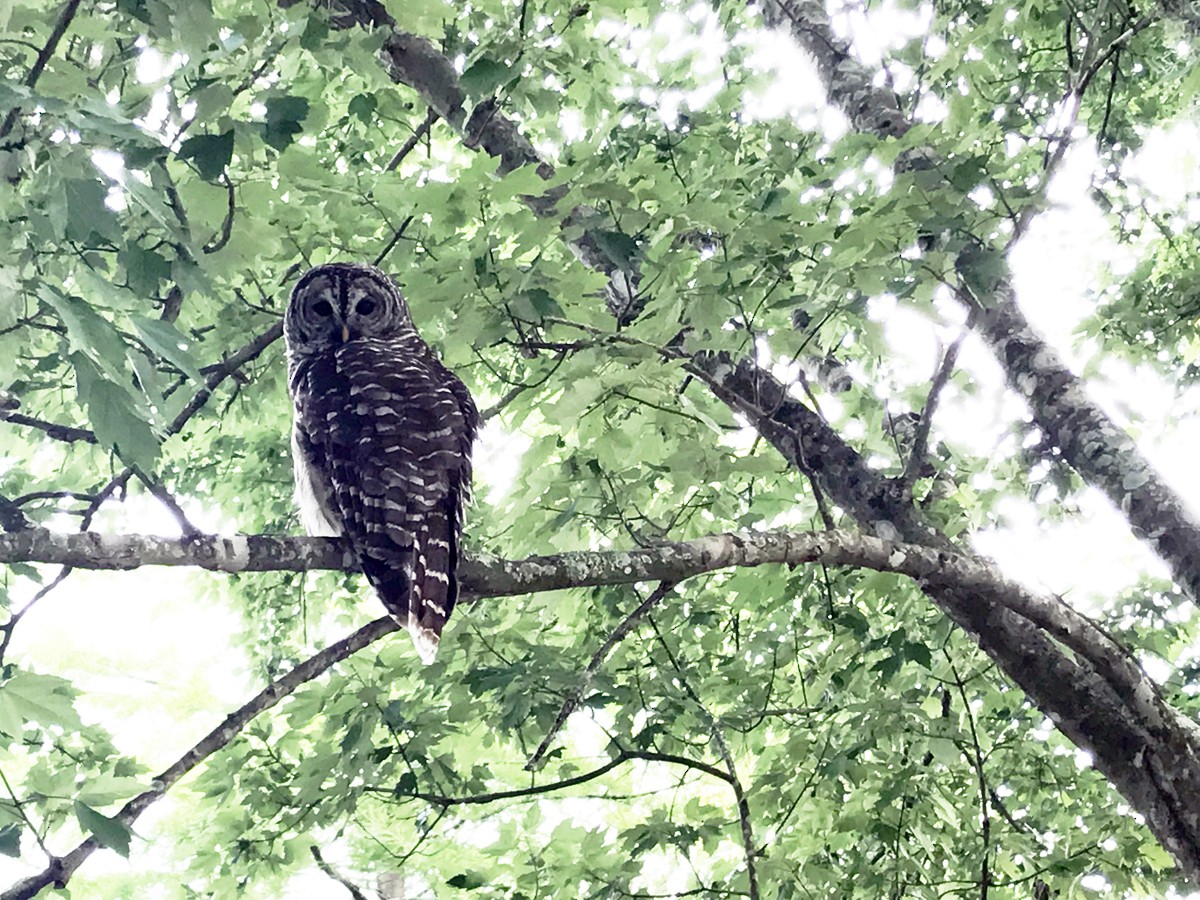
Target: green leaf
{"type": "Point", "coordinates": [10, 840]}
{"type": "Point", "coordinates": [86, 212]}
{"type": "Point", "coordinates": [105, 789]}
{"type": "Point", "coordinates": [43, 699]}
{"type": "Point", "coordinates": [88, 333]}
{"type": "Point", "coordinates": [111, 833]}
{"type": "Point", "coordinates": [363, 106]}
{"type": "Point", "coordinates": [484, 76]}
{"type": "Point", "coordinates": [315, 33]}
{"type": "Point", "coordinates": [284, 115]}
{"type": "Point", "coordinates": [468, 881]}
{"type": "Point", "coordinates": [11, 721]}
{"type": "Point", "coordinates": [144, 269]}
{"type": "Point", "coordinates": [617, 246]}
{"type": "Point", "coordinates": [136, 9]}
{"type": "Point", "coordinates": [170, 343]}
{"type": "Point", "coordinates": [210, 153]}
{"type": "Point", "coordinates": [534, 305]}
{"type": "Point", "coordinates": [114, 416]}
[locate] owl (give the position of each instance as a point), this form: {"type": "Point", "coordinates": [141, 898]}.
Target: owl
{"type": "Point", "coordinates": [381, 442]}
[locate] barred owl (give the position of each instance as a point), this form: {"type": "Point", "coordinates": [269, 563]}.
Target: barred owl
{"type": "Point", "coordinates": [381, 442]}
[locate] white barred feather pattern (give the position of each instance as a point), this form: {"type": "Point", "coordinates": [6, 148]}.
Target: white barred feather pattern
{"type": "Point", "coordinates": [381, 442]}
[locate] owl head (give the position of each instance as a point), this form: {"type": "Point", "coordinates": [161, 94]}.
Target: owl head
{"type": "Point", "coordinates": [339, 302]}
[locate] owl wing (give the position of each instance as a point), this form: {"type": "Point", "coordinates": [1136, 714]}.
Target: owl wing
{"type": "Point", "coordinates": [397, 446]}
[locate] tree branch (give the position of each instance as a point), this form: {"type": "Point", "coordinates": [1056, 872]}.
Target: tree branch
{"type": "Point", "coordinates": [916, 456]}
{"type": "Point", "coordinates": [1089, 440]}
{"type": "Point", "coordinates": [407, 147]}
{"type": "Point", "coordinates": [623, 757]}
{"type": "Point", "coordinates": [66, 433]}
{"type": "Point", "coordinates": [355, 892]}
{"type": "Point", "coordinates": [39, 64]}
{"type": "Point", "coordinates": [220, 240]}
{"type": "Point", "coordinates": [490, 576]}
{"type": "Point", "coordinates": [61, 869]}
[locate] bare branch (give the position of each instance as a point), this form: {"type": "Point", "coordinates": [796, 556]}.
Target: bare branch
{"type": "Point", "coordinates": [407, 147]}
{"type": "Point", "coordinates": [623, 757]}
{"type": "Point", "coordinates": [163, 496]}
{"type": "Point", "coordinates": [916, 456]}
{"type": "Point", "coordinates": [395, 239]}
{"type": "Point", "coordinates": [329, 870]}
{"type": "Point", "coordinates": [67, 433]}
{"type": "Point", "coordinates": [222, 239]}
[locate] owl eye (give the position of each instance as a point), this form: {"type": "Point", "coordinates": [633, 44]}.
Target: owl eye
{"type": "Point", "coordinates": [365, 307]}
{"type": "Point", "coordinates": [322, 308]}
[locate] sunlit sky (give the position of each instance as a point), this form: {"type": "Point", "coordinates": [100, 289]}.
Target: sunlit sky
{"type": "Point", "coordinates": [149, 656]}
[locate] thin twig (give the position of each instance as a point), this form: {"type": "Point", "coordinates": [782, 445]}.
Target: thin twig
{"type": "Point", "coordinates": [1074, 97]}
{"type": "Point", "coordinates": [227, 225]}
{"type": "Point", "coordinates": [585, 680]}
{"type": "Point", "coordinates": [534, 790]}
{"type": "Point", "coordinates": [10, 626]}
{"type": "Point", "coordinates": [407, 147]}
{"type": "Point", "coordinates": [976, 758]}
{"type": "Point", "coordinates": [163, 496]}
{"type": "Point", "coordinates": [517, 389]}
{"type": "Point", "coordinates": [399, 233]}
{"type": "Point", "coordinates": [20, 807]}
{"type": "Point", "coordinates": [916, 456]}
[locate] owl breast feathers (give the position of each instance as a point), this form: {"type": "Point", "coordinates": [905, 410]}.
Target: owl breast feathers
{"type": "Point", "coordinates": [382, 441]}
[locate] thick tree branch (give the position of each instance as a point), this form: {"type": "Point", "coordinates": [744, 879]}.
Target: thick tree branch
{"type": "Point", "coordinates": [490, 576]}
{"type": "Point", "coordinates": [1090, 441]}
{"type": "Point", "coordinates": [485, 575]}
{"type": "Point", "coordinates": [67, 433]}
{"type": "Point", "coordinates": [941, 571]}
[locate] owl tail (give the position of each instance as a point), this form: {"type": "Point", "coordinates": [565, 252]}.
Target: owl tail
{"type": "Point", "coordinates": [424, 639]}
{"type": "Point", "coordinates": [434, 584]}
{"type": "Point", "coordinates": [395, 580]}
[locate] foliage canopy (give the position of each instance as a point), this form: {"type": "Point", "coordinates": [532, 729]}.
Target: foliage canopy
{"type": "Point", "coordinates": [625, 229]}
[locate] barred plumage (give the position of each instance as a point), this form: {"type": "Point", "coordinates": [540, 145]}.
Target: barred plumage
{"type": "Point", "coordinates": [382, 440]}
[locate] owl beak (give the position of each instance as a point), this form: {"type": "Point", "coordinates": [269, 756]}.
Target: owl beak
{"type": "Point", "coordinates": [345, 333]}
